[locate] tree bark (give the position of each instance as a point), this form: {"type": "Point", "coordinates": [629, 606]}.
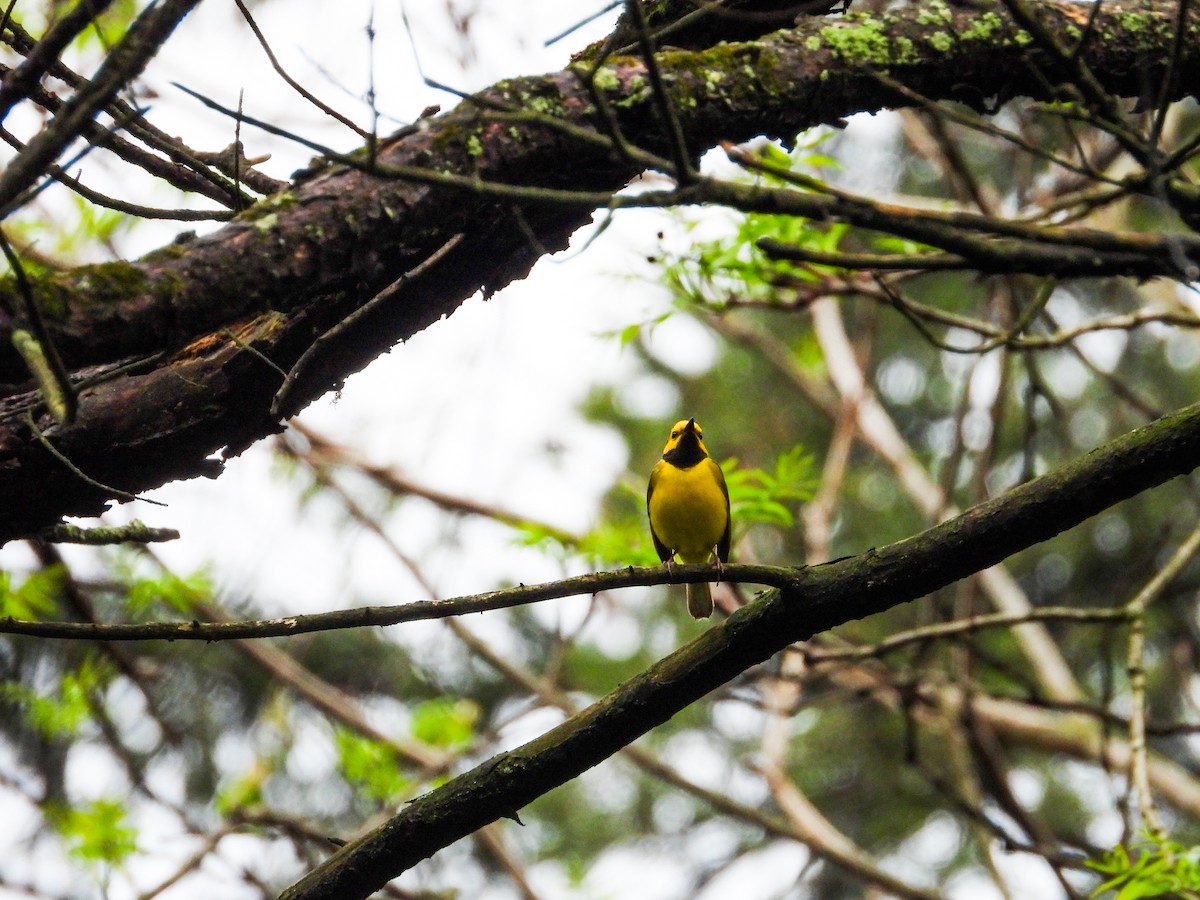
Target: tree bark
{"type": "Point", "coordinates": [179, 355]}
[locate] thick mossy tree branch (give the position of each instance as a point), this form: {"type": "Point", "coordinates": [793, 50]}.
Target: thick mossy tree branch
{"type": "Point", "coordinates": [819, 598]}
{"type": "Point", "coordinates": [177, 356]}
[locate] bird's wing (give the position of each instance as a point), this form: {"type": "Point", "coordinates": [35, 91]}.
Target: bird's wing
{"type": "Point", "coordinates": [723, 544]}
{"type": "Point", "coordinates": [664, 552]}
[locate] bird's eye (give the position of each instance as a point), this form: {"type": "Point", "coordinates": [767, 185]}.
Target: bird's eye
{"type": "Point", "coordinates": [674, 434]}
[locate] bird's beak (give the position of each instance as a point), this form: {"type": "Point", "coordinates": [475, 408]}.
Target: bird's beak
{"type": "Point", "coordinates": [691, 425]}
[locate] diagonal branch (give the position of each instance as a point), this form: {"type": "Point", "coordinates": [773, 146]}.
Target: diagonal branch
{"type": "Point", "coordinates": [819, 598]}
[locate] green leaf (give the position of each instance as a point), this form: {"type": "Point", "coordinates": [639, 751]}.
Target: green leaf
{"type": "Point", "coordinates": [37, 595]}
{"type": "Point", "coordinates": [242, 794]}
{"type": "Point", "coordinates": [821, 161]}
{"type": "Point", "coordinates": [96, 832]}
{"type": "Point", "coordinates": [1158, 867]}
{"type": "Point", "coordinates": [623, 542]}
{"type": "Point", "coordinates": [372, 767]}
{"type": "Point", "coordinates": [630, 333]}
{"type": "Point", "coordinates": [60, 713]}
{"type": "Point", "coordinates": [179, 594]}
{"type": "Point", "coordinates": [445, 723]}
{"type": "Point", "coordinates": [758, 496]}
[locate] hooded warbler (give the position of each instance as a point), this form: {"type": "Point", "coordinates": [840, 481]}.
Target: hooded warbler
{"type": "Point", "coordinates": [688, 505]}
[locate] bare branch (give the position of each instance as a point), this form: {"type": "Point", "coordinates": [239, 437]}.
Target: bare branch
{"type": "Point", "coordinates": [139, 45]}
{"type": "Point", "coordinates": [380, 616]}
{"type": "Point", "coordinates": [1135, 666]}
{"type": "Point", "coordinates": [21, 80]}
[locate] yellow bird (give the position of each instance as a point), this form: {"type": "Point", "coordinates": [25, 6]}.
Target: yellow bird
{"type": "Point", "coordinates": [688, 505]}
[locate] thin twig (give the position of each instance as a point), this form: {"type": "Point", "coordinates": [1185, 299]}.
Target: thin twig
{"type": "Point", "coordinates": [586, 20]}
{"type": "Point", "coordinates": [1136, 667]}
{"type": "Point", "coordinates": [24, 77]}
{"type": "Point", "coordinates": [969, 625]}
{"type": "Point", "coordinates": [382, 616]}
{"type": "Point", "coordinates": [127, 60]}
{"type": "Point", "coordinates": [683, 170]}
{"type": "Point", "coordinates": [37, 349]}
{"type": "Point", "coordinates": [291, 82]}
{"type": "Point", "coordinates": [338, 331]}
{"type": "Point", "coordinates": [57, 173]}
{"type": "Point", "coordinates": [180, 168]}
{"type": "Point", "coordinates": [75, 470]}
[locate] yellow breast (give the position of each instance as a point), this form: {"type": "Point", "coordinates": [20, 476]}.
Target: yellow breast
{"type": "Point", "coordinates": [688, 509]}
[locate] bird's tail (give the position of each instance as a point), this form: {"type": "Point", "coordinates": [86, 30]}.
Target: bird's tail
{"type": "Point", "coordinates": [699, 600]}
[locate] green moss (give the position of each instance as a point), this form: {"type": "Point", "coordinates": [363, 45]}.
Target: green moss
{"type": "Point", "coordinates": [173, 250]}
{"type": "Point", "coordinates": [983, 27]}
{"type": "Point", "coordinates": [524, 93]}
{"type": "Point", "coordinates": [102, 284]}
{"type": "Point", "coordinates": [864, 43]}
{"type": "Point", "coordinates": [474, 146]}
{"type": "Point", "coordinates": [107, 282]}
{"type": "Point", "coordinates": [268, 207]}
{"type": "Point", "coordinates": [544, 105]}
{"type": "Point", "coordinates": [282, 200]}
{"type": "Point", "coordinates": [445, 139]}
{"type": "Point", "coordinates": [169, 287]}
{"type": "Point", "coordinates": [941, 42]}
{"type": "Point", "coordinates": [636, 92]}
{"type": "Point", "coordinates": [606, 80]}
{"type": "Point", "coordinates": [766, 67]}
{"type": "Point", "coordinates": [1140, 23]}
{"type": "Point", "coordinates": [935, 14]}
{"type": "Point", "coordinates": [267, 222]}
{"type": "Point", "coordinates": [83, 286]}
{"type": "Point", "coordinates": [1146, 30]}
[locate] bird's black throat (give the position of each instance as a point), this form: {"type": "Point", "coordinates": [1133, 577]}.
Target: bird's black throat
{"type": "Point", "coordinates": [686, 453]}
